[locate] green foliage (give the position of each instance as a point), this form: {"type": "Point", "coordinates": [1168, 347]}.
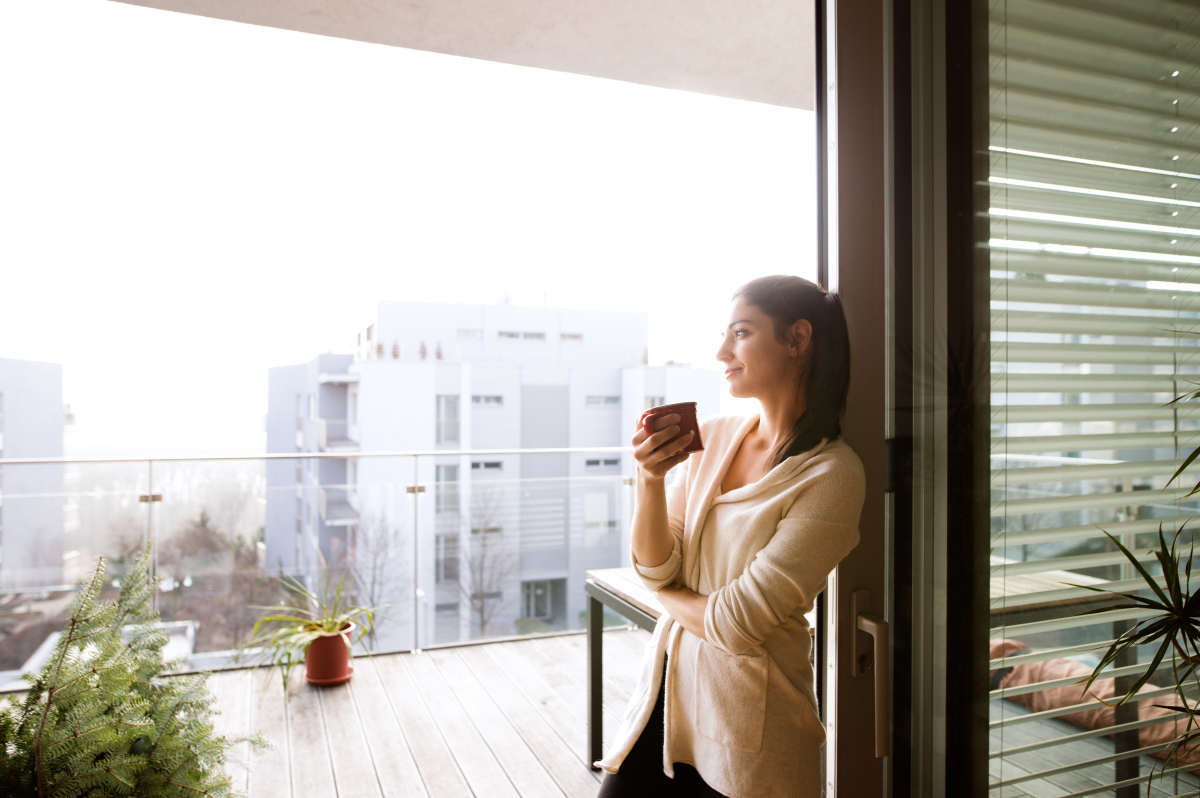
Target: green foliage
{"type": "Point", "coordinates": [1173, 624]}
{"type": "Point", "coordinates": [103, 719]}
{"type": "Point", "coordinates": [282, 638]}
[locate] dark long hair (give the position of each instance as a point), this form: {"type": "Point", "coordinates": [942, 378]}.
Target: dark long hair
{"type": "Point", "coordinates": [787, 299]}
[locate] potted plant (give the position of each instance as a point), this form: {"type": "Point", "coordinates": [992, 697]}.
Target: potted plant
{"type": "Point", "coordinates": [1171, 623]}
{"type": "Point", "coordinates": [320, 630]}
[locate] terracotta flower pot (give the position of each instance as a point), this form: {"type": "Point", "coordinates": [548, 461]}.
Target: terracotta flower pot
{"type": "Point", "coordinates": [328, 658]}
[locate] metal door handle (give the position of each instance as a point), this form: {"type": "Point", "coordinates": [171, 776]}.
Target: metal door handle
{"type": "Point", "coordinates": [877, 628]}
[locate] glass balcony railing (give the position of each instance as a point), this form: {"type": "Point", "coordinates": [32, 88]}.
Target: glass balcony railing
{"type": "Point", "coordinates": [460, 545]}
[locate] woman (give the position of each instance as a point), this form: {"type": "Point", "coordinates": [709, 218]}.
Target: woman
{"type": "Point", "coordinates": [737, 550]}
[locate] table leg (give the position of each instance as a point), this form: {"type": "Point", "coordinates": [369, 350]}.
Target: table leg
{"type": "Point", "coordinates": [595, 636]}
{"type": "Point", "coordinates": [1126, 713]}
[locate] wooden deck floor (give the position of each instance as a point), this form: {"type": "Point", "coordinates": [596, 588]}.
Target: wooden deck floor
{"type": "Point", "coordinates": [501, 719]}
{"type": "Point", "coordinates": [1074, 779]}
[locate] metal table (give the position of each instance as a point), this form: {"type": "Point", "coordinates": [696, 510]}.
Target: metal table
{"type": "Point", "coordinates": [620, 590]}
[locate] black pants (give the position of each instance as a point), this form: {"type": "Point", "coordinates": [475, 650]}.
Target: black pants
{"type": "Point", "coordinates": [642, 774]}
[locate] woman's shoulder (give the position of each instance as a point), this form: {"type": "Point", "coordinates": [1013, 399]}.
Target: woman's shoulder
{"type": "Point", "coordinates": [835, 464]}
{"type": "Point", "coordinates": [836, 455]}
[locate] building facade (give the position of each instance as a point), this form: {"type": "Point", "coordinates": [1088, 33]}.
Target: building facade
{"type": "Point", "coordinates": [501, 541]}
{"type": "Point", "coordinates": [33, 512]}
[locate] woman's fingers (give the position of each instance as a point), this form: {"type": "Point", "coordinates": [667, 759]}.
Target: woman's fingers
{"type": "Point", "coordinates": [662, 422]}
{"type": "Point", "coordinates": [666, 450]}
{"type": "Point", "coordinates": [663, 450]}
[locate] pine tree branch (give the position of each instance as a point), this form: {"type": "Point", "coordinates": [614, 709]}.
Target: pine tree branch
{"type": "Point", "coordinates": [88, 597]}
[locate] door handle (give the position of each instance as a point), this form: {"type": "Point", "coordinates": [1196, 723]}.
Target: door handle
{"type": "Point", "coordinates": [877, 628]}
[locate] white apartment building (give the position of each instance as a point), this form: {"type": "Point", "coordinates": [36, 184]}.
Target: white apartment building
{"type": "Point", "coordinates": [502, 541]}
{"type": "Point", "coordinates": [33, 513]}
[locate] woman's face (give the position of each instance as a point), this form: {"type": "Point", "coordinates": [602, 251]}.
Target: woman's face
{"type": "Point", "coordinates": [757, 364]}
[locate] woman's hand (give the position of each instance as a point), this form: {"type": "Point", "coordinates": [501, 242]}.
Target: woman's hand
{"type": "Point", "coordinates": [657, 454]}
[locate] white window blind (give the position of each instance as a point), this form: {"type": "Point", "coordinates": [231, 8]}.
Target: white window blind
{"type": "Point", "coordinates": [1095, 315]}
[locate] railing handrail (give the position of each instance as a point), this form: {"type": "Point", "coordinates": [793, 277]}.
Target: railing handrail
{"type": "Point", "coordinates": [306, 455]}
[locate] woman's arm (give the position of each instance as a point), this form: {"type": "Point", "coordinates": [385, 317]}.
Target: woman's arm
{"type": "Point", "coordinates": [816, 533]}
{"type": "Point", "coordinates": [686, 606]}
{"type": "Point", "coordinates": [650, 534]}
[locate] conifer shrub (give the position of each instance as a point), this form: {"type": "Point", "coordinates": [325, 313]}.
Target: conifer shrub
{"type": "Point", "coordinates": [102, 718]}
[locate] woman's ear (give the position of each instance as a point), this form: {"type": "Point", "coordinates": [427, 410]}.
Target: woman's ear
{"type": "Point", "coordinates": [801, 338]}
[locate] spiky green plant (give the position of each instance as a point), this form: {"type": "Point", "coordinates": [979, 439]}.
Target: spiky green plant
{"type": "Point", "coordinates": [1172, 623]}
{"type": "Point", "coordinates": [103, 718]}
{"type": "Point", "coordinates": [282, 638]}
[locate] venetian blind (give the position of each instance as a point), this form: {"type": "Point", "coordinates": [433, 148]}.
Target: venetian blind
{"type": "Point", "coordinates": [1095, 317]}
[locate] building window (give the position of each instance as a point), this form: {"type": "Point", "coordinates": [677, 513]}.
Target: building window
{"type": "Point", "coordinates": [491, 465]}
{"type": "Point", "coordinates": [536, 600]}
{"type": "Point", "coordinates": [573, 337]}
{"type": "Point", "coordinates": [312, 405]}
{"type": "Point", "coordinates": [475, 335]}
{"type": "Point", "coordinates": [655, 401]}
{"type": "Point", "coordinates": [604, 400]}
{"type": "Point", "coordinates": [508, 334]}
{"type": "Point", "coordinates": [447, 419]}
{"type": "Point", "coordinates": [488, 401]}
{"type": "Point", "coordinates": [487, 530]}
{"type": "Point", "coordinates": [352, 405]}
{"type": "Point", "coordinates": [446, 563]}
{"type": "Point", "coordinates": [446, 489]}
{"type": "Point", "coordinates": [603, 463]}
{"type": "Point", "coordinates": [534, 336]}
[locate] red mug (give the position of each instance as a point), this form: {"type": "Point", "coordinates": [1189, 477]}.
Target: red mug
{"type": "Point", "coordinates": [687, 422]}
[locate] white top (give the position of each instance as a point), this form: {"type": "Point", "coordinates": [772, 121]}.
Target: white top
{"type": "Point", "coordinates": [740, 707]}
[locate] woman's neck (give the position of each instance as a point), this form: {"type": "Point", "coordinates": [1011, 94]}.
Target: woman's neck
{"type": "Point", "coordinates": [779, 414]}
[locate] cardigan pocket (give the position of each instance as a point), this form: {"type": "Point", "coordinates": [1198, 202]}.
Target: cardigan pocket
{"type": "Point", "coordinates": [731, 697]}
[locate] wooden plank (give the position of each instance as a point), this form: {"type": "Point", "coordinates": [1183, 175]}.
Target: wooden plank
{"type": "Point", "coordinates": [627, 649]}
{"type": "Point", "coordinates": [533, 660]}
{"type": "Point", "coordinates": [234, 699]}
{"type": "Point", "coordinates": [527, 775]}
{"type": "Point", "coordinates": [525, 661]}
{"type": "Point", "coordinates": [564, 764]}
{"type": "Point", "coordinates": [353, 770]}
{"type": "Point", "coordinates": [439, 771]}
{"type": "Point", "coordinates": [542, 696]}
{"type": "Point", "coordinates": [477, 762]}
{"type": "Point", "coordinates": [389, 750]}
{"type": "Point", "coordinates": [270, 770]}
{"type": "Point", "coordinates": [312, 772]}
{"type": "Point", "coordinates": [619, 666]}
{"type": "Point", "coordinates": [574, 667]}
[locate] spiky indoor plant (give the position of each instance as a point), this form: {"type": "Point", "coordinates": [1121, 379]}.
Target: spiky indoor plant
{"type": "Point", "coordinates": [103, 718]}
{"type": "Point", "coordinates": [1171, 622]}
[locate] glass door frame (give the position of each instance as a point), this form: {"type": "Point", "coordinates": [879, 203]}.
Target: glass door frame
{"type": "Point", "coordinates": [941, 378]}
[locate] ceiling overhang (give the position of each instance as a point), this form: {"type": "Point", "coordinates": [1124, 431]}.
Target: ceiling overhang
{"type": "Point", "coordinates": [757, 50]}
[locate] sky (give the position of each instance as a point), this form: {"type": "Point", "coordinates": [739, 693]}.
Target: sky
{"type": "Point", "coordinates": [185, 202]}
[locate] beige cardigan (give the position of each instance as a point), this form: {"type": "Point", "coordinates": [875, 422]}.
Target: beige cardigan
{"type": "Point", "coordinates": [740, 707]}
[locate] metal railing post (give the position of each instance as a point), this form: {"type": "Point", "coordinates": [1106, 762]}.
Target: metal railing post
{"type": "Point", "coordinates": [416, 489]}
